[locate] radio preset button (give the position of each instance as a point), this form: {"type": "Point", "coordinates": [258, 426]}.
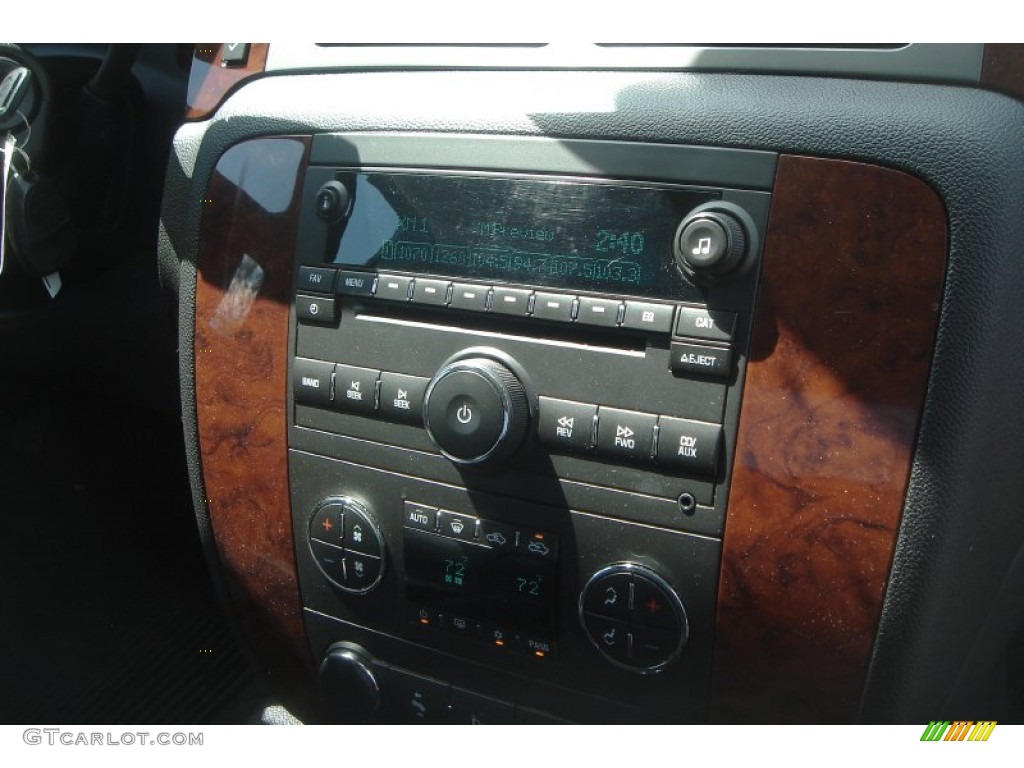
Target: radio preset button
{"type": "Point", "coordinates": [710, 324]}
{"type": "Point", "coordinates": [693, 446]}
{"type": "Point", "coordinates": [510, 301]}
{"type": "Point", "coordinates": [643, 316]}
{"type": "Point", "coordinates": [394, 287]}
{"type": "Point", "coordinates": [355, 389]}
{"type": "Point", "coordinates": [353, 283]}
{"type": "Point", "coordinates": [431, 292]}
{"type": "Point", "coordinates": [317, 279]}
{"type": "Point", "coordinates": [553, 306]}
{"type": "Point", "coordinates": [316, 309]}
{"type": "Point", "coordinates": [401, 397]}
{"type": "Point", "coordinates": [692, 359]}
{"type": "Point", "coordinates": [603, 313]}
{"type": "Point", "coordinates": [566, 425]}
{"type": "Point", "coordinates": [311, 381]}
{"type": "Point", "coordinates": [625, 434]}
{"type": "Point", "coordinates": [469, 297]}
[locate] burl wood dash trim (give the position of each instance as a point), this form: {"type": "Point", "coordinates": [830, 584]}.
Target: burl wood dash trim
{"type": "Point", "coordinates": [209, 81]}
{"type": "Point", "coordinates": [1002, 68]}
{"type": "Point", "coordinates": [245, 256]}
{"type": "Point", "coordinates": [848, 304]}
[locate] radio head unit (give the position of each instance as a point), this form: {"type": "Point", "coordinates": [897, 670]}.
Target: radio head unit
{"type": "Point", "coordinates": [522, 389]}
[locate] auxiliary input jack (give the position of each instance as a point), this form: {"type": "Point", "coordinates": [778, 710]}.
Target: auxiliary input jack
{"type": "Point", "coordinates": [687, 503]}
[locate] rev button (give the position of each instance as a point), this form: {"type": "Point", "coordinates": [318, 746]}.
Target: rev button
{"type": "Point", "coordinates": [566, 425]}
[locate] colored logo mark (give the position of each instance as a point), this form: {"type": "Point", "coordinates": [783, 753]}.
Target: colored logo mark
{"type": "Point", "coordinates": [960, 730]}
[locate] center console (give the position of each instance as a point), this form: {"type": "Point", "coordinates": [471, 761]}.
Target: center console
{"type": "Point", "coordinates": [513, 399]}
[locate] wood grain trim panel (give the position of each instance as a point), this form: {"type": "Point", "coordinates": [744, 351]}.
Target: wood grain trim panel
{"type": "Point", "coordinates": [209, 81]}
{"type": "Point", "coordinates": [245, 257]}
{"type": "Point", "coordinates": [1002, 68]}
{"type": "Point", "coordinates": [845, 321]}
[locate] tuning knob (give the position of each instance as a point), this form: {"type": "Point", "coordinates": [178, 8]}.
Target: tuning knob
{"type": "Point", "coordinates": [347, 686]}
{"type": "Point", "coordinates": [475, 410]}
{"type": "Point", "coordinates": [714, 241]}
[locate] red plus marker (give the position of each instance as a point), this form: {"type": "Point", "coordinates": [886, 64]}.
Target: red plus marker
{"type": "Point", "coordinates": [653, 605]}
{"type": "Point", "coordinates": [327, 525]}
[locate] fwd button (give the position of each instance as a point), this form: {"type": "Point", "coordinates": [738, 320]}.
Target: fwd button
{"type": "Point", "coordinates": [625, 434]}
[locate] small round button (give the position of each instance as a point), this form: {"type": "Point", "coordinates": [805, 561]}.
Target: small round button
{"type": "Point", "coordinates": [703, 242]}
{"type": "Point", "coordinates": [714, 241]}
{"type": "Point", "coordinates": [332, 201]}
{"type": "Point", "coordinates": [475, 410]}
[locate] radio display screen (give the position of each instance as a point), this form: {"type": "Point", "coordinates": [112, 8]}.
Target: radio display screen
{"type": "Point", "coordinates": [565, 233]}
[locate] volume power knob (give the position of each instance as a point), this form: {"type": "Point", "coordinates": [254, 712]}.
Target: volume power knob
{"type": "Point", "coordinates": [475, 410]}
{"type": "Point", "coordinates": [712, 243]}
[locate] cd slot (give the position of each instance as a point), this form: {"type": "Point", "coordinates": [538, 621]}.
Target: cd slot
{"type": "Point", "coordinates": [500, 327]}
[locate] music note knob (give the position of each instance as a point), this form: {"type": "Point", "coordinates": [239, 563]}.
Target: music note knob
{"type": "Point", "coordinates": [713, 242]}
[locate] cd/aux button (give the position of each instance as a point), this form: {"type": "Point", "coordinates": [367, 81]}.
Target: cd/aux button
{"type": "Point", "coordinates": [693, 446]}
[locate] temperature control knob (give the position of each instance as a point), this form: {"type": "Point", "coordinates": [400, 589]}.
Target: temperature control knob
{"type": "Point", "coordinates": [714, 241]}
{"type": "Point", "coordinates": [475, 410]}
{"type": "Point", "coordinates": [633, 617]}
